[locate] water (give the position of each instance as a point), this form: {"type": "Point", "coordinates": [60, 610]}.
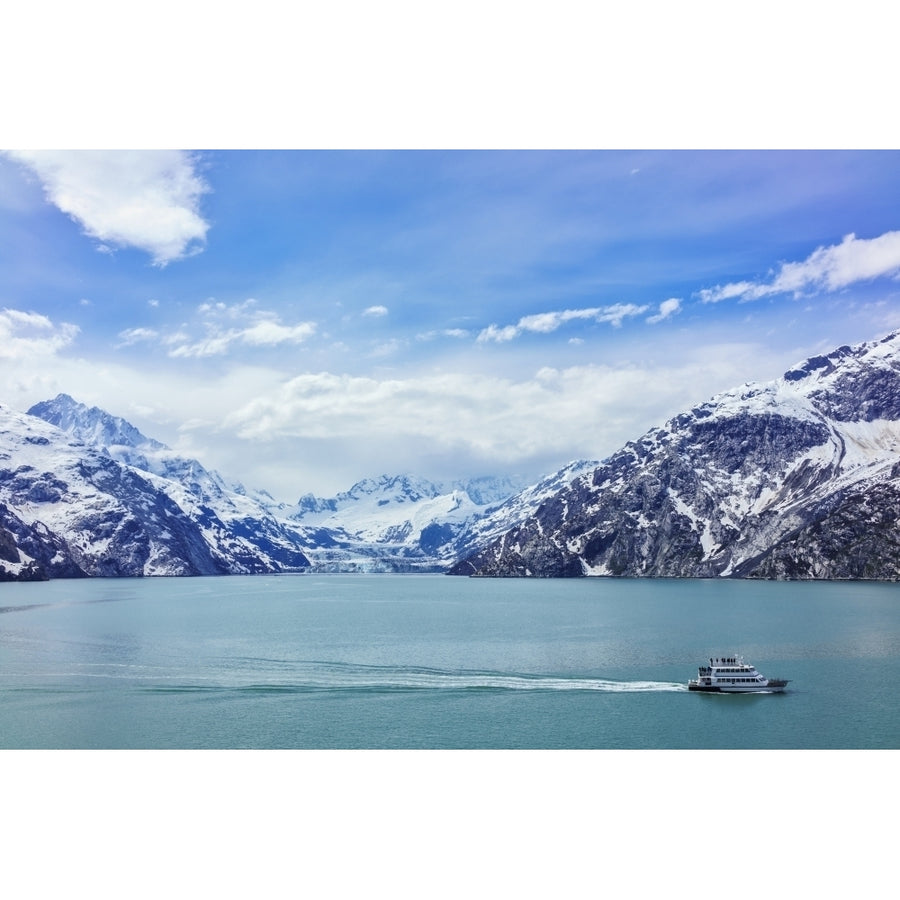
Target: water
{"type": "Point", "coordinates": [343, 662]}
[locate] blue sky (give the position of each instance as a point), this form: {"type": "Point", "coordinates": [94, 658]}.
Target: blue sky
{"type": "Point", "coordinates": [302, 319]}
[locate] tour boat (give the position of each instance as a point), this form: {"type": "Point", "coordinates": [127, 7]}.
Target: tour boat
{"type": "Point", "coordinates": [731, 675]}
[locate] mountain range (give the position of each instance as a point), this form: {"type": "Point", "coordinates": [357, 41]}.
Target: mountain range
{"type": "Point", "coordinates": [795, 478]}
{"type": "Point", "coordinates": [85, 493]}
{"type": "Point", "coordinates": [798, 478]}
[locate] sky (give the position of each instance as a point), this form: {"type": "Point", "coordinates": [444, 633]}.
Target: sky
{"type": "Point", "coordinates": [301, 319]}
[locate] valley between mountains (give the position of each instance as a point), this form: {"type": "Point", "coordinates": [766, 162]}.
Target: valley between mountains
{"type": "Point", "coordinates": [797, 478]}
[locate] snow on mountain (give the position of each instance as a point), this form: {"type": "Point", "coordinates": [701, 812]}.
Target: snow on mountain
{"type": "Point", "coordinates": [797, 478]}
{"type": "Point", "coordinates": [422, 523]}
{"type": "Point", "coordinates": [120, 440]}
{"type": "Point", "coordinates": [387, 510]}
{"type": "Point", "coordinates": [397, 523]}
{"type": "Point", "coordinates": [78, 512]}
{"type": "Point", "coordinates": [94, 427]}
{"type": "Point", "coordinates": [501, 517]}
{"type": "Point", "coordinates": [391, 524]}
{"type": "Point", "coordinates": [27, 552]}
{"type": "Point", "coordinates": [237, 534]}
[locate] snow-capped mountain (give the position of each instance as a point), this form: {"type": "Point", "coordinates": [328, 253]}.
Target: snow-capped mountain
{"type": "Point", "coordinates": [406, 523]}
{"type": "Point", "coordinates": [393, 523]}
{"type": "Point", "coordinates": [126, 508]}
{"type": "Point", "coordinates": [500, 517]}
{"type": "Point", "coordinates": [389, 524]}
{"type": "Point", "coordinates": [405, 510]}
{"type": "Point", "coordinates": [112, 435]}
{"type": "Point", "coordinates": [78, 512]}
{"type": "Point", "coordinates": [796, 478]}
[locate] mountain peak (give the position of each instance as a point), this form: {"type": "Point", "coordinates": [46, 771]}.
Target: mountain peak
{"type": "Point", "coordinates": [92, 425]}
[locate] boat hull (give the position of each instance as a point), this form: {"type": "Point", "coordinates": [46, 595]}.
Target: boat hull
{"type": "Point", "coordinates": [770, 688]}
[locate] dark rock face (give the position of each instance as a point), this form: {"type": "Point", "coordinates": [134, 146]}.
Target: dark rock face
{"type": "Point", "coordinates": [73, 510]}
{"type": "Point", "coordinates": [434, 536]}
{"type": "Point", "coordinates": [855, 537]}
{"type": "Point", "coordinates": [128, 525]}
{"type": "Point", "coordinates": [796, 479]}
{"type": "Point", "coordinates": [32, 552]}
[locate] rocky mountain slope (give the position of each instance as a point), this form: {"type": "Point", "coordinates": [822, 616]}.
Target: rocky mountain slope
{"type": "Point", "coordinates": [394, 523]}
{"type": "Point", "coordinates": [238, 529]}
{"type": "Point", "coordinates": [389, 524]}
{"type": "Point", "coordinates": [405, 523]}
{"type": "Point", "coordinates": [70, 509]}
{"type": "Point", "coordinates": [797, 478]}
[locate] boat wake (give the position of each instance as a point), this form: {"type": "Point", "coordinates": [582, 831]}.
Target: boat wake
{"type": "Point", "coordinates": [309, 677]}
{"type": "Point", "coordinates": [272, 676]}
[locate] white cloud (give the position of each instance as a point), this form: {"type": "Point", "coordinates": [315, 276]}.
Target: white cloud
{"type": "Point", "coordinates": [376, 311]}
{"type": "Point", "coordinates": [544, 323]}
{"type": "Point", "coordinates": [131, 336]}
{"type": "Point", "coordinates": [493, 333]}
{"type": "Point", "coordinates": [442, 332]}
{"type": "Point", "coordinates": [240, 323]}
{"type": "Point", "coordinates": [667, 309]}
{"type": "Point", "coordinates": [578, 410]}
{"type": "Point", "coordinates": [26, 335]}
{"type": "Point", "coordinates": [727, 291]}
{"type": "Point", "coordinates": [148, 199]}
{"type": "Point", "coordinates": [269, 333]}
{"type": "Point", "coordinates": [311, 427]}
{"type": "Point", "coordinates": [826, 268]}
{"type": "Point", "coordinates": [211, 345]}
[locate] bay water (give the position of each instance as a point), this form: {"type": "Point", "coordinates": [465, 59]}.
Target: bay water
{"type": "Point", "coordinates": [408, 661]}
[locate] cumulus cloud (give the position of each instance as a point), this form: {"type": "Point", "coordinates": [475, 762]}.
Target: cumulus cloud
{"type": "Point", "coordinates": [26, 335]}
{"type": "Point", "coordinates": [464, 420]}
{"type": "Point", "coordinates": [306, 433]}
{"type": "Point", "coordinates": [376, 311]}
{"type": "Point", "coordinates": [148, 199]}
{"type": "Point", "coordinates": [667, 309]}
{"type": "Point", "coordinates": [825, 269]}
{"type": "Point", "coordinates": [578, 408]}
{"type": "Point", "coordinates": [241, 323]}
{"type": "Point", "coordinates": [544, 323]}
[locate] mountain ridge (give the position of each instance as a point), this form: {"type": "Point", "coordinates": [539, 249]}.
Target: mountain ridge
{"type": "Point", "coordinates": [798, 477]}
{"type": "Point", "coordinates": [389, 524]}
{"type": "Point", "coordinates": [778, 480]}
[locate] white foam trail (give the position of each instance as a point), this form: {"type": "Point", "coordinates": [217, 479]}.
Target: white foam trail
{"type": "Point", "coordinates": [290, 676]}
{"type": "Point", "coordinates": [374, 678]}
{"type": "Point", "coordinates": [514, 683]}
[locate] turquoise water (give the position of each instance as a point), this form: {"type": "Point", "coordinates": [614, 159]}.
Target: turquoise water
{"type": "Point", "coordinates": [436, 662]}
